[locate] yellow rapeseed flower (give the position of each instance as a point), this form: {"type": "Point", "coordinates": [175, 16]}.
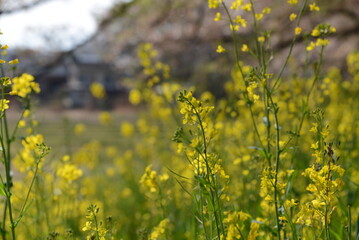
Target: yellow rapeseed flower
{"type": "Point", "coordinates": [32, 142]}
{"type": "Point", "coordinates": [314, 7]}
{"type": "Point", "coordinates": [298, 30]}
{"type": "Point", "coordinates": [310, 47]}
{"type": "Point", "coordinates": [21, 124]}
{"type": "Point", "coordinates": [322, 42]}
{"type": "Point", "coordinates": [26, 113]}
{"type": "Point", "coordinates": [253, 232]}
{"type": "Point", "coordinates": [214, 3]}
{"type": "Point", "coordinates": [69, 172]}
{"type": "Point", "coordinates": [261, 39]}
{"type": "Point", "coordinates": [79, 128]}
{"type": "Point", "coordinates": [315, 32]}
{"type": "Point", "coordinates": [241, 21]}
{"type": "Point", "coordinates": [290, 203]}
{"type": "Point", "coordinates": [259, 16]}
{"type": "Point", "coordinates": [217, 17]}
{"type": "Point", "coordinates": [66, 158]}
{"type": "Point", "coordinates": [293, 2]}
{"type": "Point", "coordinates": [135, 97]}
{"type": "Point", "coordinates": [127, 129]}
{"type": "Point", "coordinates": [247, 7]}
{"type": "Point", "coordinates": [159, 230]}
{"type": "Point", "coordinates": [292, 17]}
{"type": "Point", "coordinates": [4, 104]}
{"type": "Point", "coordinates": [15, 61]}
{"type": "Point", "coordinates": [245, 48]}
{"type": "Point", "coordinates": [266, 10]}
{"type": "Point", "coordinates": [220, 49]}
{"type": "Point", "coordinates": [234, 27]}
{"type": "Point", "coordinates": [149, 180]}
{"type": "Point", "coordinates": [236, 4]}
{"type": "Point", "coordinates": [24, 85]}
{"type": "Point", "coordinates": [98, 90]}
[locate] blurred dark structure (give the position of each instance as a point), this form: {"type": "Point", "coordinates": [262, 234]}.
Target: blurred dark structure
{"type": "Point", "coordinates": [71, 79]}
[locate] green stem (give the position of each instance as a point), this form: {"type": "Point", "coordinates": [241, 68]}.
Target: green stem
{"type": "Point", "coordinates": [306, 102]}
{"type": "Point", "coordinates": [213, 192]}
{"type": "Point", "coordinates": [28, 193]}
{"type": "Point", "coordinates": [349, 223]}
{"type": "Point", "coordinates": [3, 230]}
{"type": "Point", "coordinates": [259, 46]}
{"type": "Point", "coordinates": [243, 77]}
{"type": "Point", "coordinates": [277, 158]}
{"type": "Point", "coordinates": [202, 214]}
{"type": "Point", "coordinates": [96, 223]}
{"type": "Point", "coordinates": [234, 39]}
{"type": "Point", "coordinates": [7, 162]}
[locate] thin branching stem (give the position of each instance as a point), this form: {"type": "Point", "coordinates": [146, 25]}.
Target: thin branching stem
{"type": "Point", "coordinates": [235, 42]}
{"type": "Point", "coordinates": [277, 81]}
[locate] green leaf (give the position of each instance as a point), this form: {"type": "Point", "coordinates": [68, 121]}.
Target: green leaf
{"type": "Point", "coordinates": [2, 190]}
{"type": "Point", "coordinates": [336, 235]}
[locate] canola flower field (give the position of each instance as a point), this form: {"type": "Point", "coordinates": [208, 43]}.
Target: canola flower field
{"type": "Point", "coordinates": [277, 158]}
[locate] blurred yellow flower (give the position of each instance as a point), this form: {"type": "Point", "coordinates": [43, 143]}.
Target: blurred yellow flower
{"type": "Point", "coordinates": [236, 4]}
{"type": "Point", "coordinates": [127, 129]}
{"type": "Point", "coordinates": [247, 7]}
{"type": "Point", "coordinates": [314, 7]}
{"type": "Point", "coordinates": [298, 30]}
{"type": "Point", "coordinates": [310, 47]}
{"type": "Point", "coordinates": [79, 128]}
{"type": "Point", "coordinates": [220, 49]}
{"type": "Point", "coordinates": [21, 124]}
{"type": "Point", "coordinates": [266, 10]}
{"type": "Point", "coordinates": [293, 2]}
{"type": "Point", "coordinates": [159, 230]}
{"type": "Point", "coordinates": [292, 17]}
{"type": "Point", "coordinates": [98, 90]}
{"type": "Point", "coordinates": [15, 61]}
{"type": "Point", "coordinates": [69, 172]}
{"type": "Point", "coordinates": [322, 42]}
{"type": "Point", "coordinates": [26, 113]}
{"type": "Point", "coordinates": [66, 158]}
{"type": "Point", "coordinates": [217, 17]}
{"type": "Point", "coordinates": [214, 3]}
{"type": "Point", "coordinates": [245, 48]}
{"type": "Point", "coordinates": [261, 39]}
{"type": "Point", "coordinates": [258, 16]}
{"type": "Point", "coordinates": [135, 97]}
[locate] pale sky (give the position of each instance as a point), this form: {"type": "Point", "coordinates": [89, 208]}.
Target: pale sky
{"type": "Point", "coordinates": [57, 23]}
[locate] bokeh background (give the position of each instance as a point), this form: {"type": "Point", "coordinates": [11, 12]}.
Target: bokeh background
{"type": "Point", "coordinates": [69, 44]}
